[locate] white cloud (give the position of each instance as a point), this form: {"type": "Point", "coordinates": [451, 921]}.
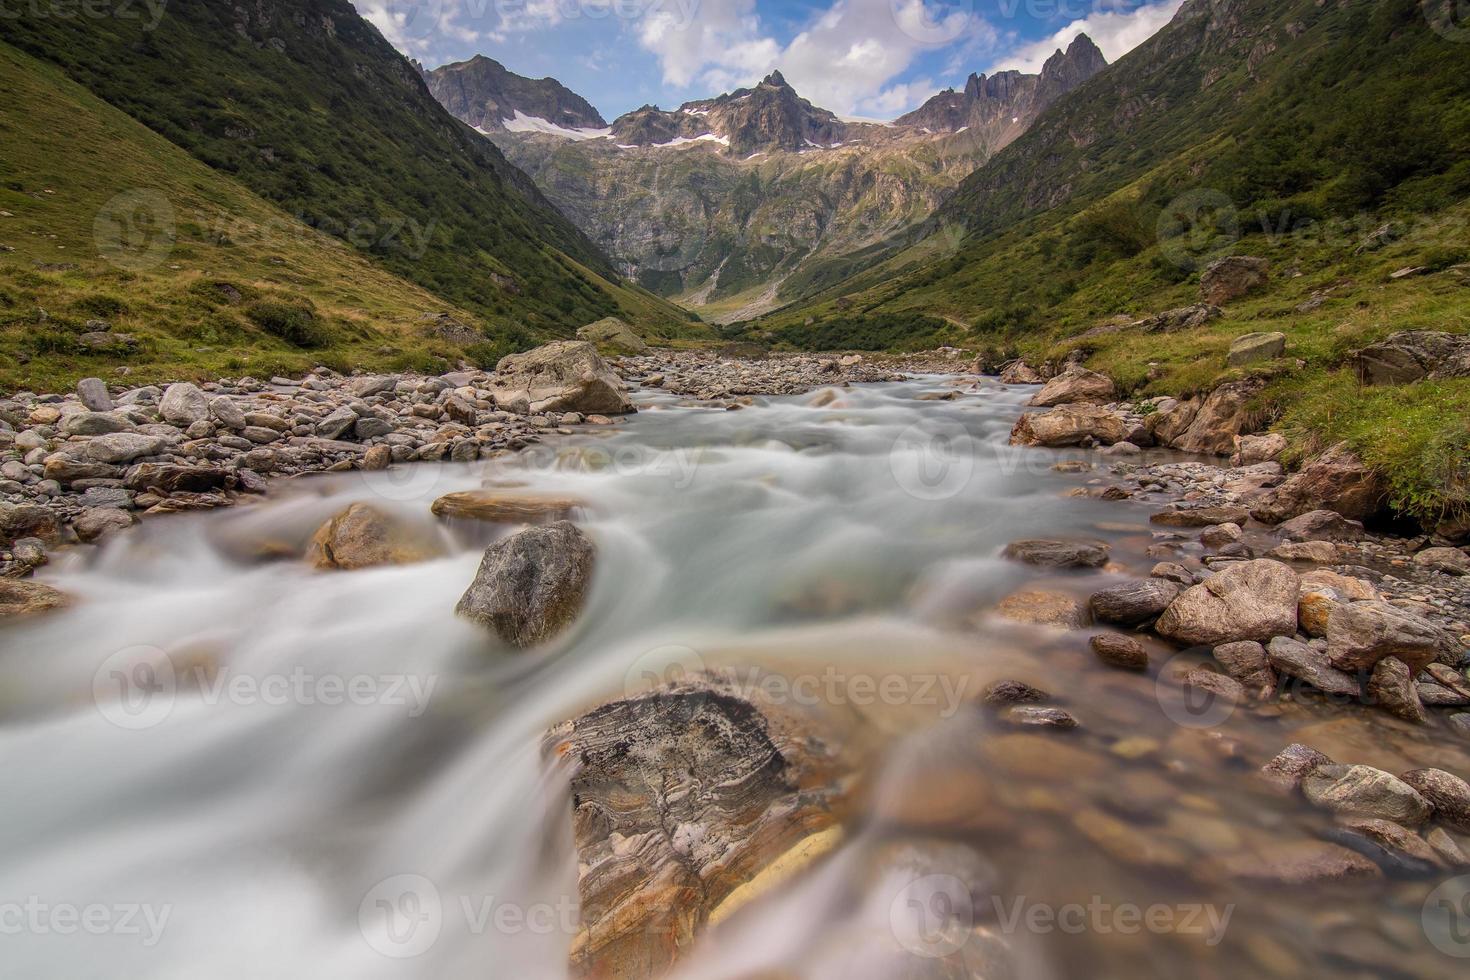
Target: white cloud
{"type": "Point", "coordinates": [416, 27]}
{"type": "Point", "coordinates": [1116, 32]}
{"type": "Point", "coordinates": [844, 60]}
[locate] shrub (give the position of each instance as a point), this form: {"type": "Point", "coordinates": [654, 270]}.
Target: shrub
{"type": "Point", "coordinates": [295, 323]}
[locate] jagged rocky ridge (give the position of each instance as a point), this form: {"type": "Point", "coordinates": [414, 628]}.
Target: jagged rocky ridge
{"type": "Point", "coordinates": [736, 204]}
{"type": "Point", "coordinates": [484, 94]}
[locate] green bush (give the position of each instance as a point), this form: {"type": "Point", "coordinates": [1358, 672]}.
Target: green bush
{"type": "Point", "coordinates": [295, 323]}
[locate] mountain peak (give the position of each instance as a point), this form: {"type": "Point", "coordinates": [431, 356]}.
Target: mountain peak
{"type": "Point", "coordinates": [776, 79]}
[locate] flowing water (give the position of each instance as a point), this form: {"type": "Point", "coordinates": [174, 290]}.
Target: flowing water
{"type": "Point", "coordinates": [219, 765]}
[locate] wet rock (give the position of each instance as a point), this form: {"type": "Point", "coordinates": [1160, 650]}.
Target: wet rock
{"type": "Point", "coordinates": [1122, 652]}
{"type": "Point", "coordinates": [1286, 771]}
{"type": "Point", "coordinates": [1337, 480]}
{"type": "Point", "coordinates": [183, 404]}
{"type": "Point", "coordinates": [1074, 385]}
{"type": "Point", "coordinates": [1201, 516]}
{"type": "Point", "coordinates": [1037, 608]}
{"type": "Point", "coordinates": [1368, 792]}
{"type": "Point", "coordinates": [1135, 602]}
{"type": "Point", "coordinates": [94, 395]}
{"type": "Point", "coordinates": [1221, 535]}
{"type": "Point", "coordinates": [1014, 692]}
{"type": "Point", "coordinates": [1173, 572]}
{"type": "Point", "coordinates": [1391, 687]}
{"type": "Point", "coordinates": [1446, 849]}
{"type": "Point", "coordinates": [1320, 525]}
{"type": "Point", "coordinates": [1252, 600]}
{"type": "Point", "coordinates": [1438, 696]}
{"type": "Point", "coordinates": [1250, 450]}
{"type": "Point", "coordinates": [1231, 278]}
{"type": "Point", "coordinates": [94, 424]}
{"type": "Point", "coordinates": [1225, 414]}
{"type": "Point", "coordinates": [1035, 716]}
{"type": "Point", "coordinates": [1248, 664]}
{"type": "Point", "coordinates": [1359, 634]}
{"type": "Point", "coordinates": [1296, 863]}
{"type": "Point", "coordinates": [1020, 373]}
{"type": "Point", "coordinates": [364, 537]}
{"type": "Point", "coordinates": [564, 376]}
{"type": "Point", "coordinates": [1450, 561]}
{"type": "Point", "coordinates": [1213, 682]}
{"type": "Point", "coordinates": [22, 597]}
{"type": "Point", "coordinates": [1450, 678]}
{"type": "Point", "coordinates": [532, 585]}
{"type": "Point", "coordinates": [1070, 425]}
{"type": "Point", "coordinates": [96, 523]}
{"type": "Point", "coordinates": [1398, 851]}
{"type": "Point", "coordinates": [505, 507]}
{"type": "Point", "coordinates": [680, 797]}
{"type": "Point", "coordinates": [377, 458]}
{"type": "Point", "coordinates": [123, 447]}
{"type": "Point", "coordinates": [1314, 552]}
{"type": "Point", "coordinates": [1311, 666]}
{"type": "Point", "coordinates": [172, 479]}
{"type": "Point", "coordinates": [336, 425]}
{"type": "Point", "coordinates": [1252, 347]}
{"type": "Point", "coordinates": [1129, 844]}
{"type": "Point", "coordinates": [1415, 355]}
{"type": "Point", "coordinates": [28, 521]}
{"type": "Point", "coordinates": [67, 469]}
{"type": "Point", "coordinates": [226, 412]}
{"type": "Point", "coordinates": [1449, 794]}
{"type": "Point", "coordinates": [1058, 554]}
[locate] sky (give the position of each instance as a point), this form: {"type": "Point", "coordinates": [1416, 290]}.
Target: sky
{"type": "Point", "coordinates": [860, 58]}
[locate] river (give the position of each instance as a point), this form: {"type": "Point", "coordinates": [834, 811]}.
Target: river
{"type": "Point", "coordinates": [219, 765]}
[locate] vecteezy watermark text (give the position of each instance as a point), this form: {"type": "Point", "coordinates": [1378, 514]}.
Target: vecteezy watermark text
{"type": "Point", "coordinates": [36, 917]}
{"type": "Point", "coordinates": [148, 12]}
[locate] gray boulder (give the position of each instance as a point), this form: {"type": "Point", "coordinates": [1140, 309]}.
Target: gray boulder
{"type": "Point", "coordinates": [1058, 554]}
{"type": "Point", "coordinates": [1231, 278]}
{"type": "Point", "coordinates": [1359, 634]}
{"type": "Point", "coordinates": [1074, 385]}
{"type": "Point", "coordinates": [1415, 355]}
{"type": "Point", "coordinates": [94, 395]}
{"type": "Point", "coordinates": [1252, 347]}
{"type": "Point", "coordinates": [183, 404]}
{"type": "Point", "coordinates": [532, 585]}
{"type": "Point", "coordinates": [565, 376]}
{"type": "Point", "coordinates": [1449, 794]}
{"type": "Point", "coordinates": [1368, 792]}
{"type": "Point", "coordinates": [123, 447]}
{"type": "Point", "coordinates": [1311, 666]}
{"type": "Point", "coordinates": [1134, 602]}
{"type": "Point", "coordinates": [1252, 600]}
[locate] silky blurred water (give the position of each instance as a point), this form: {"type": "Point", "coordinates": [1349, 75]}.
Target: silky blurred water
{"type": "Point", "coordinates": [273, 772]}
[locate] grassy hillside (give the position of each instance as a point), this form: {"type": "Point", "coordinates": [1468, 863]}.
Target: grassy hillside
{"type": "Point", "coordinates": [306, 105]}
{"type": "Point", "coordinates": [1285, 130]}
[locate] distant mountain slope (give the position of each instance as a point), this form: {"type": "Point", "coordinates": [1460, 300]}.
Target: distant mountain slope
{"type": "Point", "coordinates": [1330, 139]}
{"type": "Point", "coordinates": [732, 204]}
{"type": "Point", "coordinates": [119, 251]}
{"type": "Point", "coordinates": [306, 104]}
{"type": "Point", "coordinates": [482, 93]}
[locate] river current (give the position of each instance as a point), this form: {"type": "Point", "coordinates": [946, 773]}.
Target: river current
{"type": "Point", "coordinates": [222, 764]}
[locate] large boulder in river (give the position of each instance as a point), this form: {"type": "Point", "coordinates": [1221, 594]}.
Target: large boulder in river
{"type": "Point", "coordinates": [1368, 792]}
{"type": "Point", "coordinates": [1070, 425]}
{"type": "Point", "coordinates": [1134, 602]}
{"type": "Point", "coordinates": [505, 506]}
{"type": "Point", "coordinates": [680, 798]}
{"type": "Point", "coordinates": [613, 336]}
{"type": "Point", "coordinates": [563, 376]}
{"type": "Point", "coordinates": [1359, 634]}
{"type": "Point", "coordinates": [363, 536]}
{"type": "Point", "coordinates": [1337, 480]}
{"type": "Point", "coordinates": [1415, 355]}
{"type": "Point", "coordinates": [532, 585]}
{"type": "Point", "coordinates": [1231, 278]}
{"type": "Point", "coordinates": [1253, 600]}
{"type": "Point", "coordinates": [1074, 385]}
{"type": "Point", "coordinates": [1058, 554]}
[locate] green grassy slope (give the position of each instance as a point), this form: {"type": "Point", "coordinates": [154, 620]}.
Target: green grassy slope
{"type": "Point", "coordinates": [1285, 130]}
{"type": "Point", "coordinates": [306, 105]}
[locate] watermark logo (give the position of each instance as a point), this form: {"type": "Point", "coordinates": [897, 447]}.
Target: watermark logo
{"type": "Point", "coordinates": [1197, 228]}
{"type": "Point", "coordinates": [933, 459]}
{"type": "Point", "coordinates": [663, 666]}
{"type": "Point", "coordinates": [136, 230]}
{"type": "Point", "coordinates": [933, 916]}
{"type": "Point", "coordinates": [135, 688]}
{"type": "Point", "coordinates": [413, 20]}
{"type": "Point", "coordinates": [1446, 917]}
{"type": "Point", "coordinates": [403, 484]}
{"type": "Point", "coordinates": [402, 916]}
{"type": "Point", "coordinates": [1189, 704]}
{"type": "Point", "coordinates": [936, 22]}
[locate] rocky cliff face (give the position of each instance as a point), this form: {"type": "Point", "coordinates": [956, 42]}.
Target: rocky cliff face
{"type": "Point", "coordinates": [484, 94]}
{"type": "Point", "coordinates": [735, 204]}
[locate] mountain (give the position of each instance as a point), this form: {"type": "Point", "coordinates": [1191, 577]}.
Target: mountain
{"type": "Point", "coordinates": [483, 94]}
{"type": "Point", "coordinates": [767, 118]}
{"type": "Point", "coordinates": [734, 204]}
{"type": "Point", "coordinates": [306, 104]}
{"type": "Point", "coordinates": [120, 251]}
{"type": "Point", "coordinates": [1008, 102]}
{"type": "Point", "coordinates": [1330, 140]}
